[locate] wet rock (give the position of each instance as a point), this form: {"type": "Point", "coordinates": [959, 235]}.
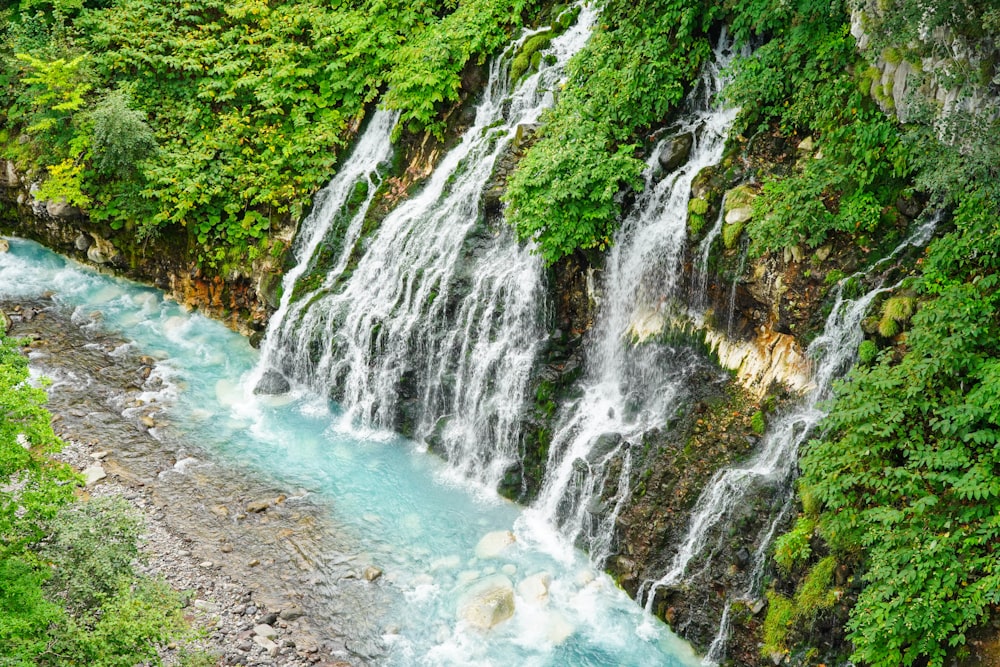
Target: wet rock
{"type": "Point", "coordinates": [604, 445]}
{"type": "Point", "coordinates": [675, 152]}
{"type": "Point", "coordinates": [743, 557]}
{"type": "Point", "coordinates": [493, 544]}
{"type": "Point", "coordinates": [535, 589]}
{"type": "Point", "coordinates": [372, 573]}
{"type": "Point", "coordinates": [4, 245]}
{"type": "Point", "coordinates": [83, 242]}
{"type": "Point", "coordinates": [272, 383]}
{"type": "Point", "coordinates": [489, 603]}
{"type": "Point", "coordinates": [93, 474]}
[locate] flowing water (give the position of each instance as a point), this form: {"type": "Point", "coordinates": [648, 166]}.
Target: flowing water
{"type": "Point", "coordinates": [361, 170]}
{"type": "Point", "coordinates": [731, 490]}
{"type": "Point", "coordinates": [397, 501]}
{"type": "Point", "coordinates": [436, 330]}
{"type": "Point", "coordinates": [630, 387]}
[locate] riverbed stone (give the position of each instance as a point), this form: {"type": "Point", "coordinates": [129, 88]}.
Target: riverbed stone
{"type": "Point", "coordinates": [535, 589]}
{"type": "Point", "coordinates": [489, 603]}
{"type": "Point", "coordinates": [4, 245]}
{"type": "Point", "coordinates": [291, 613]}
{"type": "Point", "coordinates": [257, 506]}
{"type": "Point", "coordinates": [93, 474]}
{"type": "Point", "coordinates": [372, 573]}
{"type": "Point", "coordinates": [493, 544]}
{"type": "Point", "coordinates": [269, 646]}
{"type": "Point", "coordinates": [265, 630]}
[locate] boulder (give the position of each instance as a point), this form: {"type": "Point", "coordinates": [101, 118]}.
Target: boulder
{"type": "Point", "coordinates": [535, 589]}
{"type": "Point", "coordinates": [93, 474]}
{"type": "Point", "coordinates": [83, 242]}
{"type": "Point", "coordinates": [4, 245]}
{"type": "Point", "coordinates": [265, 630]}
{"type": "Point", "coordinates": [61, 210]}
{"type": "Point", "coordinates": [291, 613]}
{"type": "Point", "coordinates": [272, 383]}
{"type": "Point", "coordinates": [493, 544]}
{"type": "Point", "coordinates": [489, 603]}
{"type": "Point", "coordinates": [675, 151]}
{"type": "Point", "coordinates": [372, 573]}
{"type": "Point", "coordinates": [738, 215]}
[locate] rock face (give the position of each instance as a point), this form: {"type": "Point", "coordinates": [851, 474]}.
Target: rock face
{"type": "Point", "coordinates": [169, 261]}
{"type": "Point", "coordinates": [489, 603]}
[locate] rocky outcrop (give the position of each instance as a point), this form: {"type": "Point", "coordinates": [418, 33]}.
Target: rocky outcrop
{"type": "Point", "coordinates": [241, 296]}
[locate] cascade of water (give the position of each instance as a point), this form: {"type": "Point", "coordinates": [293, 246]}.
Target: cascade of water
{"type": "Point", "coordinates": [373, 149]}
{"type": "Point", "coordinates": [699, 296]}
{"type": "Point", "coordinates": [436, 329]}
{"type": "Point", "coordinates": [740, 267]}
{"type": "Point", "coordinates": [730, 489]}
{"type": "Point", "coordinates": [630, 388]}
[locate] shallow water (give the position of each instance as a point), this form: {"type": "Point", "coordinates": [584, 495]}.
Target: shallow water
{"type": "Point", "coordinates": [412, 519]}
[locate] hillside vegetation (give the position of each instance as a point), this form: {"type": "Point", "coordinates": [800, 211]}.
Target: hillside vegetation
{"type": "Point", "coordinates": [214, 119]}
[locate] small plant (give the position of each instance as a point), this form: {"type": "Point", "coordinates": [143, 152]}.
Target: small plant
{"type": "Point", "coordinates": [794, 547]}
{"type": "Point", "coordinates": [777, 624]}
{"type": "Point", "coordinates": [758, 423]}
{"type": "Point", "coordinates": [867, 352]}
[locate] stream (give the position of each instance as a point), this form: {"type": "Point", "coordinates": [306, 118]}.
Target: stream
{"type": "Point", "coordinates": [342, 499]}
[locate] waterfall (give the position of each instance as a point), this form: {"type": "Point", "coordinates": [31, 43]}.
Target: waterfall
{"type": "Point", "coordinates": [436, 329]}
{"type": "Point", "coordinates": [732, 489]}
{"type": "Point", "coordinates": [360, 170]}
{"type": "Point", "coordinates": [629, 387]}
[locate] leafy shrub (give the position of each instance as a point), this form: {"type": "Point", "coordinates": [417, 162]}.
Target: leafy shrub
{"type": "Point", "coordinates": [867, 352]}
{"type": "Point", "coordinates": [794, 547]}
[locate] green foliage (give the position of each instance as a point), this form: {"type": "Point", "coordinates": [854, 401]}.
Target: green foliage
{"type": "Point", "coordinates": [698, 206]}
{"type": "Point", "coordinates": [907, 470]}
{"type": "Point", "coordinates": [801, 81]}
{"type": "Point", "coordinates": [867, 352]}
{"type": "Point", "coordinates": [69, 595]}
{"type": "Point", "coordinates": [731, 232]}
{"type": "Point", "coordinates": [758, 423]}
{"type": "Point", "coordinates": [630, 76]}
{"type": "Point", "coordinates": [90, 551]}
{"type": "Point", "coordinates": [794, 548]}
{"type": "Point", "coordinates": [815, 593]}
{"type": "Point", "coordinates": [427, 71]}
{"type": "Point", "coordinates": [523, 61]}
{"type": "Point", "coordinates": [777, 624]}
{"type": "Point", "coordinates": [122, 137]}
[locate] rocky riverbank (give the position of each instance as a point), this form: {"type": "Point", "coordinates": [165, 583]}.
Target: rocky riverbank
{"type": "Point", "coordinates": [269, 578]}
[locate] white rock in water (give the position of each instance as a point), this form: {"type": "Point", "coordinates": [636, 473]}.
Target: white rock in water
{"type": "Point", "coordinates": [93, 475]}
{"type": "Point", "coordinates": [535, 589]}
{"type": "Point", "coordinates": [559, 629]}
{"type": "Point", "coordinates": [488, 604]}
{"type": "Point", "coordinates": [493, 544]}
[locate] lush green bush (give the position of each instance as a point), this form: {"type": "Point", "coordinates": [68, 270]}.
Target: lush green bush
{"type": "Point", "coordinates": [630, 77]}
{"type": "Point", "coordinates": [69, 594]}
{"type": "Point", "coordinates": [907, 475]}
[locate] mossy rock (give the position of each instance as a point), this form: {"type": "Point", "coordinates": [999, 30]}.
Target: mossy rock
{"type": "Point", "coordinates": [529, 56]}
{"type": "Point", "coordinates": [731, 233]}
{"type": "Point", "coordinates": [741, 196]}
